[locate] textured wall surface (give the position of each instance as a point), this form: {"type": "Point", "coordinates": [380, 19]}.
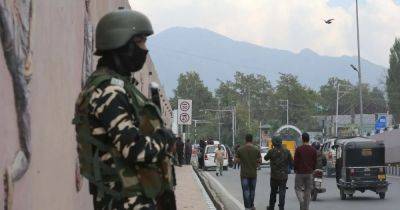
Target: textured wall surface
{"type": "Point", "coordinates": [57, 46]}
{"type": "Point", "coordinates": [392, 145]}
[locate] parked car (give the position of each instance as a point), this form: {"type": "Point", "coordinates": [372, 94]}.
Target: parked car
{"type": "Point", "coordinates": [209, 157]}
{"type": "Point", "coordinates": [328, 150]}
{"type": "Point", "coordinates": [264, 151]}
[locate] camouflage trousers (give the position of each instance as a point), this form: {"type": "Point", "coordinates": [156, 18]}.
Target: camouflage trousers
{"type": "Point", "coordinates": [132, 203]}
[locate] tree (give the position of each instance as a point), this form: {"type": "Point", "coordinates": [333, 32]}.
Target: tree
{"type": "Point", "coordinates": [328, 94]}
{"type": "Point", "coordinates": [248, 92]}
{"type": "Point", "coordinates": [190, 86]}
{"type": "Point", "coordinates": [393, 80]}
{"type": "Point", "coordinates": [302, 100]}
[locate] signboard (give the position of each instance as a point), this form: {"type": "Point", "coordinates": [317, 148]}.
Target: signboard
{"type": "Point", "coordinates": [380, 123]}
{"type": "Point", "coordinates": [184, 112]}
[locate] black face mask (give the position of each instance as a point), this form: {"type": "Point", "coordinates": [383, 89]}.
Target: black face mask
{"type": "Point", "coordinates": [131, 57]}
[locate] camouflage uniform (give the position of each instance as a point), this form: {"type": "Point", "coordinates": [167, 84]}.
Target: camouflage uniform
{"type": "Point", "coordinates": [111, 120]}
{"type": "Point", "coordinates": [121, 142]}
{"type": "Point", "coordinates": [280, 161]}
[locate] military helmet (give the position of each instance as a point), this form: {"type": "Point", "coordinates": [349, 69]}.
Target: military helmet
{"type": "Point", "coordinates": [277, 141]}
{"type": "Point", "coordinates": [116, 28]}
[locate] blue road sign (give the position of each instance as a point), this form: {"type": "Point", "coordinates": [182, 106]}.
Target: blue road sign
{"type": "Point", "coordinates": [381, 123]}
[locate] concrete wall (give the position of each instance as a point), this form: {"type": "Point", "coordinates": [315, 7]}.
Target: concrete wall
{"type": "Point", "coordinates": [57, 45]}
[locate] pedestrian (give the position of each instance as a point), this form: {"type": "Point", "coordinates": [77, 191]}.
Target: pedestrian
{"type": "Point", "coordinates": [321, 159]}
{"type": "Point", "coordinates": [112, 131]}
{"type": "Point", "coordinates": [280, 160]}
{"type": "Point", "coordinates": [188, 151]}
{"type": "Point", "coordinates": [180, 150]}
{"type": "Point", "coordinates": [249, 157]}
{"type": "Point", "coordinates": [210, 141]}
{"type": "Point", "coordinates": [200, 153]}
{"type": "Point", "coordinates": [305, 160]}
{"type": "Point", "coordinates": [236, 164]}
{"type": "Point", "coordinates": [219, 159]}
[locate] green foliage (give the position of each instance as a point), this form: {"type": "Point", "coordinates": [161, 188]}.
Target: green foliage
{"type": "Point", "coordinates": [374, 99]}
{"type": "Point", "coordinates": [257, 101]}
{"type": "Point", "coordinates": [302, 101]}
{"type": "Point", "coordinates": [190, 86]}
{"type": "Point", "coordinates": [393, 80]}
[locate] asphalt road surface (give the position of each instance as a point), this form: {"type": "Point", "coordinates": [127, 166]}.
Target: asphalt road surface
{"type": "Point", "coordinates": [229, 190]}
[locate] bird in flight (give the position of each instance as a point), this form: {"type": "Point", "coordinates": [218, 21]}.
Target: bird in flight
{"type": "Point", "coordinates": [329, 21]}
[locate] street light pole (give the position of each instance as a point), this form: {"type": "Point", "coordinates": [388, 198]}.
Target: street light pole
{"type": "Point", "coordinates": [359, 72]}
{"type": "Point", "coordinates": [219, 121]}
{"type": "Point", "coordinates": [233, 126]}
{"type": "Point", "coordinates": [233, 111]}
{"type": "Point", "coordinates": [287, 112]}
{"type": "Point", "coordinates": [337, 108]}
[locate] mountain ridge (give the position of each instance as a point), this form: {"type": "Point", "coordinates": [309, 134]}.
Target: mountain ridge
{"type": "Point", "coordinates": [179, 49]}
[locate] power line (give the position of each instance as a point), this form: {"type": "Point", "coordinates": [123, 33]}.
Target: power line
{"type": "Point", "coordinates": [156, 48]}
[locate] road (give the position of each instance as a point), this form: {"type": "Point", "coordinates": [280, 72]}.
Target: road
{"type": "Point", "coordinates": [228, 188]}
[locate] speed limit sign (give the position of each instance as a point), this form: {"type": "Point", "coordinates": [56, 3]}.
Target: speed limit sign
{"type": "Point", "coordinates": [184, 112]}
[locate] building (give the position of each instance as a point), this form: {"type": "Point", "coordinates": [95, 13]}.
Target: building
{"type": "Point", "coordinates": [350, 123]}
{"type": "Point", "coordinates": [61, 46]}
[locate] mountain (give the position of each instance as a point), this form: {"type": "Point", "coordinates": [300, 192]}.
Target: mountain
{"type": "Point", "coordinates": [214, 56]}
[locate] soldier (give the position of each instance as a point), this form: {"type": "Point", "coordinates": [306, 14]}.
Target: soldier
{"type": "Point", "coordinates": [280, 160]}
{"type": "Point", "coordinates": [124, 150]}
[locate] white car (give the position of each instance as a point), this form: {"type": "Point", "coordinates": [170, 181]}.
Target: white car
{"type": "Point", "coordinates": [264, 151]}
{"type": "Point", "coordinates": [209, 157]}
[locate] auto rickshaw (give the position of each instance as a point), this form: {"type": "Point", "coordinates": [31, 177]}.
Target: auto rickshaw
{"type": "Point", "coordinates": [360, 166]}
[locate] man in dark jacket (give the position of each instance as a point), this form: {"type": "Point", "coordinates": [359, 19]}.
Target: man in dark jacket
{"type": "Point", "coordinates": [280, 160]}
{"type": "Point", "coordinates": [188, 151]}
{"type": "Point", "coordinates": [179, 150]}
{"type": "Point", "coordinates": [305, 161]}
{"type": "Point", "coordinates": [236, 164]}
{"type": "Point", "coordinates": [200, 153]}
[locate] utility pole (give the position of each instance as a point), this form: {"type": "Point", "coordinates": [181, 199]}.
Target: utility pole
{"type": "Point", "coordinates": [287, 109]}
{"type": "Point", "coordinates": [233, 125]}
{"type": "Point", "coordinates": [260, 133]}
{"type": "Point", "coordinates": [287, 112]}
{"type": "Point", "coordinates": [338, 96]}
{"type": "Point", "coordinates": [195, 127]}
{"type": "Point", "coordinates": [359, 72]}
{"type": "Point", "coordinates": [233, 112]}
{"type": "Point", "coordinates": [219, 121]}
{"type": "Point", "coordinates": [248, 103]}
{"type": "Point", "coordinates": [337, 108]}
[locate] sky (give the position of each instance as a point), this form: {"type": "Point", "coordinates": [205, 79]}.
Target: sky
{"type": "Point", "coordinates": [287, 24]}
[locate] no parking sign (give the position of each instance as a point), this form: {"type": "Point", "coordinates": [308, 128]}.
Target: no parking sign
{"type": "Point", "coordinates": [184, 112]}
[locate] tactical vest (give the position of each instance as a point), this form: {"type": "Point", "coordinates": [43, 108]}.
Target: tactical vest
{"type": "Point", "coordinates": [91, 167]}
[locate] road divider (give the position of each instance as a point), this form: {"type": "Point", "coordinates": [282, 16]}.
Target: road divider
{"type": "Point", "coordinates": [209, 190]}
{"type": "Point", "coordinates": [224, 191]}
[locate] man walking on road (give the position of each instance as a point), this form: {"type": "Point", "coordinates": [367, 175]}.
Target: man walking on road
{"type": "Point", "coordinates": [188, 152]}
{"type": "Point", "coordinates": [219, 159]}
{"type": "Point", "coordinates": [236, 164]}
{"type": "Point", "coordinates": [249, 157]}
{"type": "Point", "coordinates": [305, 160]}
{"type": "Point", "coordinates": [179, 150]}
{"type": "Point", "coordinates": [280, 160]}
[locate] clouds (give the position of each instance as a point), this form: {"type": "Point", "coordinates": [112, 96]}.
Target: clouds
{"type": "Point", "coordinates": [287, 24]}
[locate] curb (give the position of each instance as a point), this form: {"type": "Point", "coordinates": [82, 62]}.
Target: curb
{"type": "Point", "coordinates": [207, 187]}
